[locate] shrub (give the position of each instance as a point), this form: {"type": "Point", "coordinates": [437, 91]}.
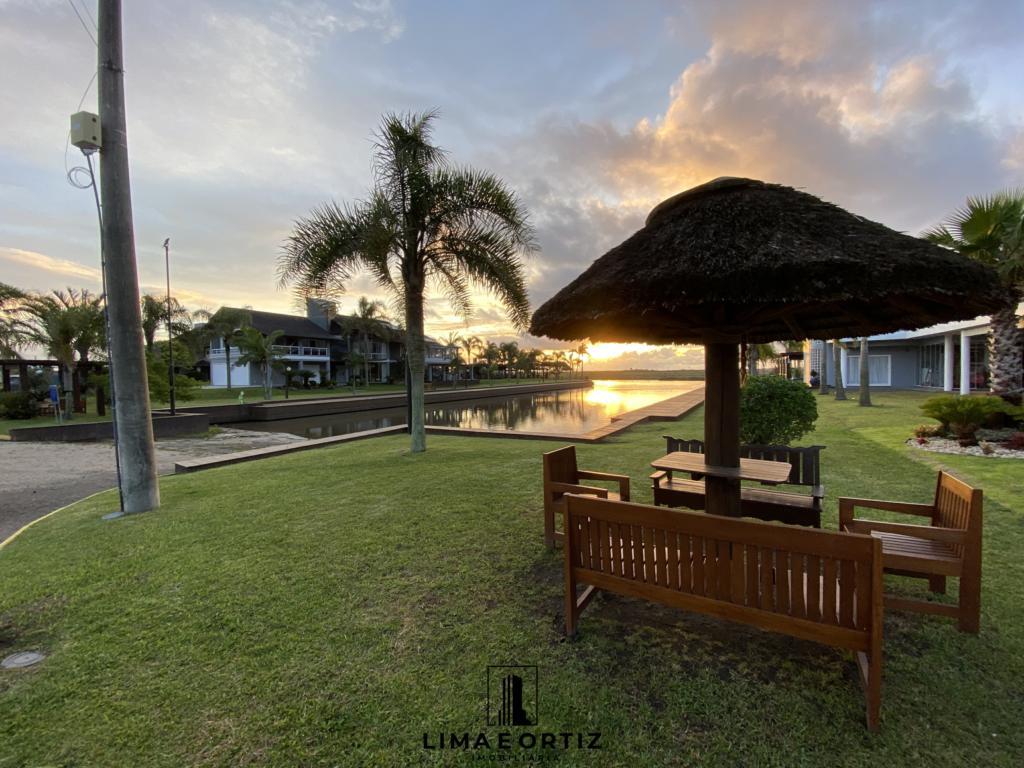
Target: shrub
{"type": "Point", "coordinates": [774, 410]}
{"type": "Point", "coordinates": [1015, 442]}
{"type": "Point", "coordinates": [964, 415]}
{"type": "Point", "coordinates": [18, 405]}
{"type": "Point", "coordinates": [929, 430]}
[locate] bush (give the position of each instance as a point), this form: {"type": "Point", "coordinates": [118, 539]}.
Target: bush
{"type": "Point", "coordinates": [929, 430]}
{"type": "Point", "coordinates": [964, 415]}
{"type": "Point", "coordinates": [18, 405]}
{"type": "Point", "coordinates": [1015, 442]}
{"type": "Point", "coordinates": [775, 411]}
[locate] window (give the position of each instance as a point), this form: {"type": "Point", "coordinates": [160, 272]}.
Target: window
{"type": "Point", "coordinates": [931, 360]}
{"type": "Point", "coordinates": [879, 370]}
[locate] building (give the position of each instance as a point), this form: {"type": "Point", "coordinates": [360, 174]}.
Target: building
{"type": "Point", "coordinates": [952, 357]}
{"type": "Point", "coordinates": [327, 345]}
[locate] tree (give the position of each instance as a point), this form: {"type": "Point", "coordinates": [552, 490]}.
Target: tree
{"type": "Point", "coordinates": [68, 325]}
{"type": "Point", "coordinates": [837, 358]}
{"type": "Point", "coordinates": [154, 315]}
{"type": "Point", "coordinates": [775, 410]}
{"type": "Point", "coordinates": [582, 352]}
{"type": "Point", "coordinates": [424, 223]}
{"type": "Point", "coordinates": [991, 230]}
{"type": "Point", "coordinates": [12, 335]}
{"type": "Point", "coordinates": [491, 356]}
{"type": "Point", "coordinates": [452, 344]}
{"type": "Point", "coordinates": [259, 350]}
{"type": "Point", "coordinates": [471, 345]}
{"type": "Point", "coordinates": [865, 373]}
{"type": "Point", "coordinates": [225, 324]}
{"type": "Point", "coordinates": [369, 319]}
{"type": "Point", "coordinates": [509, 353]}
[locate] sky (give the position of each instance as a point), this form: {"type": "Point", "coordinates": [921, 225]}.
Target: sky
{"type": "Point", "coordinates": [244, 115]}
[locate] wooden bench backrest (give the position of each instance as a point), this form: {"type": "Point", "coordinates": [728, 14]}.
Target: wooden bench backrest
{"type": "Point", "coordinates": [813, 584]}
{"type": "Point", "coordinates": [957, 505]}
{"type": "Point", "coordinates": [805, 461]}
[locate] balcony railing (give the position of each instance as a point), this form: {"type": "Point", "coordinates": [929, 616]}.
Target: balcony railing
{"type": "Point", "coordinates": [285, 349]}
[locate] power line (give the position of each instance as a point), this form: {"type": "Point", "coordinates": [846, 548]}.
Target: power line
{"type": "Point", "coordinates": [82, 22]}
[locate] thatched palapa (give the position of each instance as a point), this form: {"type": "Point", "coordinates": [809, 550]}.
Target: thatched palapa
{"type": "Point", "coordinates": [742, 260]}
{"type": "Point", "coordinates": [739, 260]}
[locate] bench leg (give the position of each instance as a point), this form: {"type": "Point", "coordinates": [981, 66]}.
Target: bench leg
{"type": "Point", "coordinates": [549, 527]}
{"type": "Point", "coordinates": [937, 584]}
{"type": "Point", "coordinates": [970, 603]}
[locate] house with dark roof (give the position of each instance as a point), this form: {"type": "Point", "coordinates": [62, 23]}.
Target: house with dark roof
{"type": "Point", "coordinates": [326, 344]}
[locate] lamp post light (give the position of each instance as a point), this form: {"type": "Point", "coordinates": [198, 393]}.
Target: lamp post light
{"type": "Point", "coordinates": [287, 380]}
{"type": "Point", "coordinates": [170, 334]}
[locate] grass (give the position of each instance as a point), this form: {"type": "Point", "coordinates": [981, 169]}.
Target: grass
{"type": "Point", "coordinates": [6, 425]}
{"type": "Point", "coordinates": [330, 607]}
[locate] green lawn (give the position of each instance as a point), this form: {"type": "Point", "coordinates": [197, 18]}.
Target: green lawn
{"type": "Point", "coordinates": [328, 608]}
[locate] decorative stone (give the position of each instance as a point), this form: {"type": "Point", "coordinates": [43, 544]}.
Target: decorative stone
{"type": "Point", "coordinates": [22, 659]}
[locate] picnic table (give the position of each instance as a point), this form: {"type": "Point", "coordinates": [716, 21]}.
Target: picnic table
{"type": "Point", "coordinates": [761, 470]}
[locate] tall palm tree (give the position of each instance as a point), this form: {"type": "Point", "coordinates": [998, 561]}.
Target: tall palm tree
{"type": "Point", "coordinates": [991, 230]}
{"type": "Point", "coordinates": [154, 315]}
{"type": "Point", "coordinates": [582, 352]}
{"type": "Point", "coordinates": [12, 335]}
{"type": "Point", "coordinates": [491, 355]}
{"type": "Point", "coordinates": [453, 346]}
{"type": "Point", "coordinates": [864, 397]}
{"type": "Point", "coordinates": [425, 223]}
{"type": "Point", "coordinates": [225, 324]}
{"type": "Point", "coordinates": [837, 358]}
{"type": "Point", "coordinates": [471, 346]}
{"type": "Point", "coordinates": [509, 353]}
{"type": "Point", "coordinates": [261, 351]}
{"type": "Point", "coordinates": [370, 319]}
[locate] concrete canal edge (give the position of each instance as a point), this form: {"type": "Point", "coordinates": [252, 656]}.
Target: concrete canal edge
{"type": "Point", "coordinates": [665, 410]}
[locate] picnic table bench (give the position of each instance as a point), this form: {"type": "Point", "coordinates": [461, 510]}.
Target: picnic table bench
{"type": "Point", "coordinates": [761, 503]}
{"type": "Point", "coordinates": [822, 586]}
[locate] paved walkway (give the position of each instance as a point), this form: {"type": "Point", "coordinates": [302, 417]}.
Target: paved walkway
{"type": "Point", "coordinates": [37, 478]}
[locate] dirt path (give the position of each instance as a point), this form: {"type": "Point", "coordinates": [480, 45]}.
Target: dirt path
{"type": "Point", "coordinates": [36, 478]}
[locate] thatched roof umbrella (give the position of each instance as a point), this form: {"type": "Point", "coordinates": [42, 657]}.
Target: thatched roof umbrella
{"type": "Point", "coordinates": [741, 261]}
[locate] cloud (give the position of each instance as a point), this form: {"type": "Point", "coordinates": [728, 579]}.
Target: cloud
{"type": "Point", "coordinates": [65, 269]}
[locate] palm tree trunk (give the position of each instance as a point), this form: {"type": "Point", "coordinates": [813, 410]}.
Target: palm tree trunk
{"type": "Point", "coordinates": [267, 394]}
{"type": "Point", "coordinates": [836, 360]}
{"type": "Point", "coordinates": [366, 359]}
{"type": "Point", "coordinates": [822, 378]}
{"type": "Point", "coordinates": [865, 373]}
{"type": "Point", "coordinates": [1005, 354]}
{"type": "Point", "coordinates": [227, 359]}
{"type": "Point", "coordinates": [416, 361]}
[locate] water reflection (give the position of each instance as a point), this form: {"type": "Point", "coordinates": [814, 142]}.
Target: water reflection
{"type": "Point", "coordinates": [569, 411]}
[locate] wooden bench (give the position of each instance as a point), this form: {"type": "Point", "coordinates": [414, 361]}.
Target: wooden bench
{"type": "Point", "coordinates": [562, 476]}
{"type": "Point", "coordinates": [822, 586]}
{"type": "Point", "coordinates": [950, 545]}
{"type": "Point", "coordinates": [760, 503]}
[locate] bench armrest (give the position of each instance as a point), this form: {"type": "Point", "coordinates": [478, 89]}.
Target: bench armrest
{"type": "Point", "coordinates": [622, 480]}
{"type": "Point", "coordinates": [583, 490]}
{"type": "Point", "coordinates": [944, 535]}
{"type": "Point", "coordinates": [847, 506]}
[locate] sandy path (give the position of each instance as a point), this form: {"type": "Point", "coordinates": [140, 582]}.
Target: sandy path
{"type": "Point", "coordinates": [36, 478]}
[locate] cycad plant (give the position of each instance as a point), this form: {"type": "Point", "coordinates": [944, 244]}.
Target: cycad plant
{"type": "Point", "coordinates": [370, 319]}
{"type": "Point", "coordinates": [991, 230]}
{"type": "Point", "coordinates": [424, 224]}
{"type": "Point", "coordinates": [260, 350]}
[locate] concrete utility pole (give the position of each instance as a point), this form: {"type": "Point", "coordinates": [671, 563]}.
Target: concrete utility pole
{"type": "Point", "coordinates": [134, 427]}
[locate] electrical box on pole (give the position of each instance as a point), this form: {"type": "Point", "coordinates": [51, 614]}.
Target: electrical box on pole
{"type": "Point", "coordinates": [85, 131]}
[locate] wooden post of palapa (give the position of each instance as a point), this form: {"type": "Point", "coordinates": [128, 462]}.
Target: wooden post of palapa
{"type": "Point", "coordinates": [722, 425]}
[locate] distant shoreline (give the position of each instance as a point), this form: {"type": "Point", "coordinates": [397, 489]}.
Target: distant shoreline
{"type": "Point", "coordinates": [646, 375]}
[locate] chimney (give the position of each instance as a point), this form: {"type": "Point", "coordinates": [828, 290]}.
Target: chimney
{"type": "Point", "coordinates": [321, 312]}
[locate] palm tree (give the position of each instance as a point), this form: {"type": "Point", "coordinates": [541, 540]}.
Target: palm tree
{"type": "Point", "coordinates": [991, 230]}
{"type": "Point", "coordinates": [225, 324]}
{"type": "Point", "coordinates": [452, 344]}
{"type": "Point", "coordinates": [509, 353]}
{"type": "Point", "coordinates": [12, 335]}
{"type": "Point", "coordinates": [865, 373]}
{"type": "Point", "coordinates": [471, 345]}
{"type": "Point", "coordinates": [837, 357]}
{"type": "Point", "coordinates": [66, 325]}
{"type": "Point", "coordinates": [491, 355]}
{"type": "Point", "coordinates": [154, 315]}
{"type": "Point", "coordinates": [261, 351]}
{"type": "Point", "coordinates": [582, 351]}
{"type": "Point", "coordinates": [369, 320]}
{"type": "Point", "coordinates": [424, 223]}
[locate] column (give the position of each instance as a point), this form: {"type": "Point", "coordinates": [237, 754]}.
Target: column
{"type": "Point", "coordinates": [947, 363]}
{"type": "Point", "coordinates": [844, 365]}
{"type": "Point", "coordinates": [965, 363]}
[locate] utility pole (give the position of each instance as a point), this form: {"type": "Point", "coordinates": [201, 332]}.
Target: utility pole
{"type": "Point", "coordinates": [137, 455]}
{"type": "Point", "coordinates": [170, 333]}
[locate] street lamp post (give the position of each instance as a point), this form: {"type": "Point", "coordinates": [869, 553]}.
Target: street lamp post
{"type": "Point", "coordinates": [287, 380]}
{"type": "Point", "coordinates": [170, 335]}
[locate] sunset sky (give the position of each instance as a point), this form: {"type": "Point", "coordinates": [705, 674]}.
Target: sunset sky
{"type": "Point", "coordinates": [245, 115]}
